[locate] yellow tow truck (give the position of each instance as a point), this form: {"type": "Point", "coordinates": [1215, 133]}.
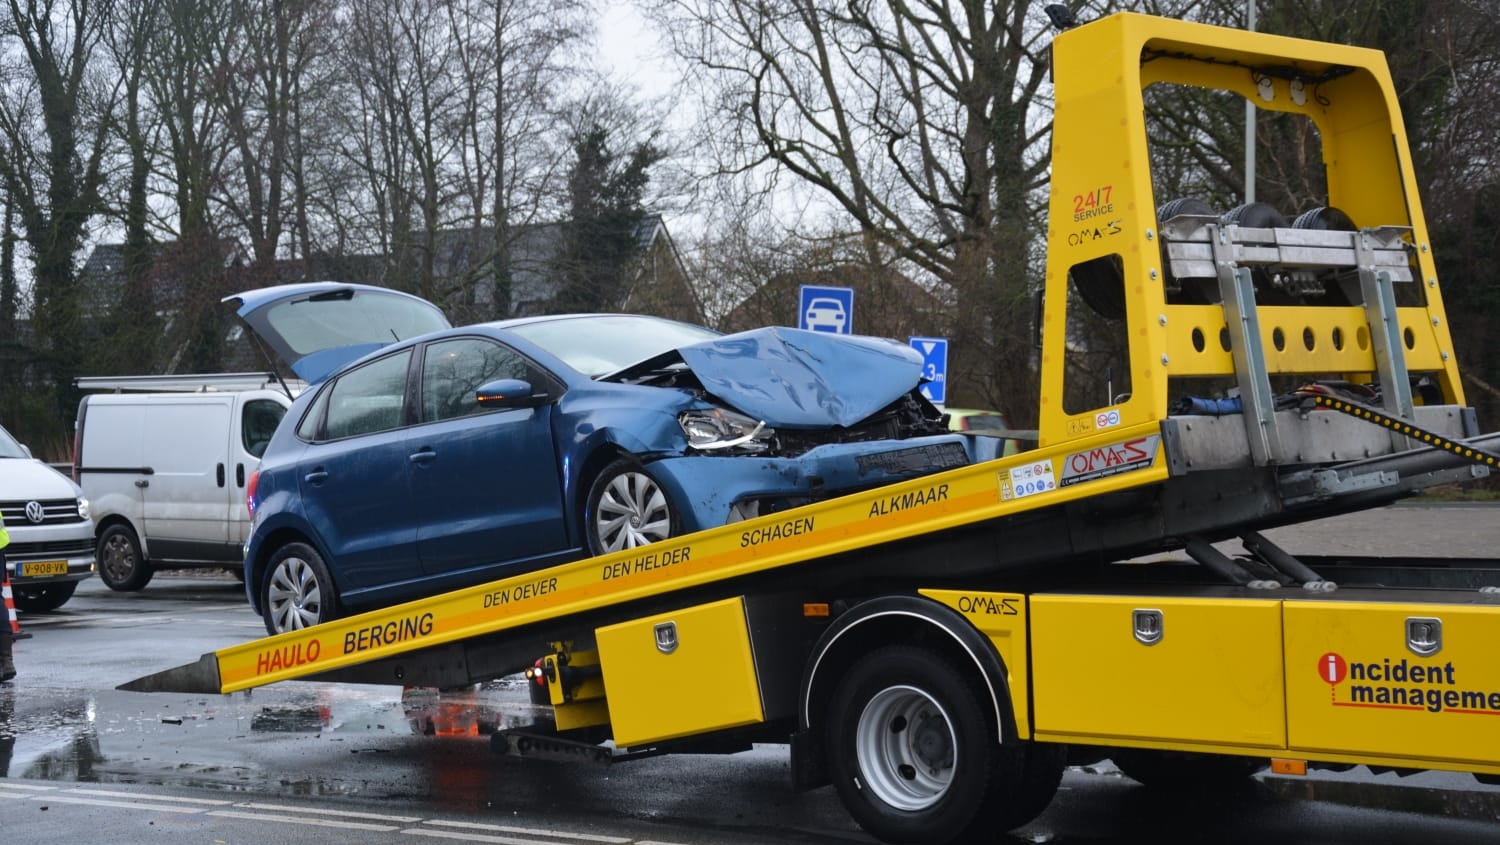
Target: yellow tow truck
{"type": "Point", "coordinates": [937, 649]}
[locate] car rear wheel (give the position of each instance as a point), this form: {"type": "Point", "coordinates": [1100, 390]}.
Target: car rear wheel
{"type": "Point", "coordinates": [298, 591]}
{"type": "Point", "coordinates": [627, 508]}
{"type": "Point", "coordinates": [122, 567]}
{"type": "Point", "coordinates": [43, 598]}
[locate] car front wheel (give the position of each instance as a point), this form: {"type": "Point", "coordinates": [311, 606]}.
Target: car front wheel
{"type": "Point", "coordinates": [298, 591]}
{"type": "Point", "coordinates": [43, 598]}
{"type": "Point", "coordinates": [627, 508]}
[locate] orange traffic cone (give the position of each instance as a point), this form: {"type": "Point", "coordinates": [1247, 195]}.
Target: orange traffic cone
{"type": "Point", "coordinates": [10, 611]}
{"type": "Point", "coordinates": [10, 608]}
{"type": "Point", "coordinates": [12, 633]}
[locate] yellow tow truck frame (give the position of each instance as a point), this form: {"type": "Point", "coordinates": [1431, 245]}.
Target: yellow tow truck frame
{"type": "Point", "coordinates": [934, 647]}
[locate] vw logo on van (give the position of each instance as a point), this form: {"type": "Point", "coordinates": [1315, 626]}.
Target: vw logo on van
{"type": "Point", "coordinates": [35, 513]}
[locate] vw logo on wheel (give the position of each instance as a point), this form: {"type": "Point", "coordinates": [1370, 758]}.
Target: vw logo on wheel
{"type": "Point", "coordinates": [35, 513]}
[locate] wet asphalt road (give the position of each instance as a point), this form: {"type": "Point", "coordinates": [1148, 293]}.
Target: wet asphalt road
{"type": "Point", "coordinates": [301, 762]}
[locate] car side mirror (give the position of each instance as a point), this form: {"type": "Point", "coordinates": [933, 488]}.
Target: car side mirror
{"type": "Point", "coordinates": [508, 393]}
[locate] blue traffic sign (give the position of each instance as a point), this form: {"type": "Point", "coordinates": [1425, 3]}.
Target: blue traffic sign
{"type": "Point", "coordinates": [824, 309]}
{"type": "Point", "coordinates": [934, 367]}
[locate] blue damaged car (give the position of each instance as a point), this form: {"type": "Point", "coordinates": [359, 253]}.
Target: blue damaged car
{"type": "Point", "coordinates": [424, 458]}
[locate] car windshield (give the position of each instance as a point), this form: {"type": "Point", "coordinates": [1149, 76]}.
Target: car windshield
{"type": "Point", "coordinates": [596, 345]}
{"type": "Point", "coordinates": [10, 447]}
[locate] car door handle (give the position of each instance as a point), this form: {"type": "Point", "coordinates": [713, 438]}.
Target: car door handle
{"type": "Point", "coordinates": [219, 474]}
{"type": "Point", "coordinates": [317, 476]}
{"type": "Point", "coordinates": [425, 455]}
{"type": "Point", "coordinates": [239, 475]}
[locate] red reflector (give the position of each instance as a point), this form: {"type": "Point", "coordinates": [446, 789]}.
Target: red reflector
{"type": "Point", "coordinates": [816, 609]}
{"type": "Point", "coordinates": [1281, 766]}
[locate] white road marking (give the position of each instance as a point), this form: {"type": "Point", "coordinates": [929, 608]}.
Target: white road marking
{"type": "Point", "coordinates": [530, 831]}
{"type": "Point", "coordinates": [338, 823]}
{"type": "Point", "coordinates": [65, 798]}
{"type": "Point", "coordinates": [475, 837]}
{"type": "Point", "coordinates": [104, 793]}
{"type": "Point", "coordinates": [311, 816]}
{"type": "Point", "coordinates": [346, 814]}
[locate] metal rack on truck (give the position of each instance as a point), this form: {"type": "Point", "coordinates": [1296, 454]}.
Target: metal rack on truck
{"type": "Point", "coordinates": [934, 648]}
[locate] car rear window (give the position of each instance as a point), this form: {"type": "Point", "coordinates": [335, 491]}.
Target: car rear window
{"type": "Point", "coordinates": [315, 324]}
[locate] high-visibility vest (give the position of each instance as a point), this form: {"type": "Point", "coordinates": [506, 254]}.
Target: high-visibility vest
{"type": "Point", "coordinates": [4, 537]}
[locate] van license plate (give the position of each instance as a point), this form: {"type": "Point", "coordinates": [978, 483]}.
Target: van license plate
{"type": "Point", "coordinates": [44, 567]}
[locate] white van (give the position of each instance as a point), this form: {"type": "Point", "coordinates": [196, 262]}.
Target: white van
{"type": "Point", "coordinates": [51, 538]}
{"type": "Point", "coordinates": [165, 470]}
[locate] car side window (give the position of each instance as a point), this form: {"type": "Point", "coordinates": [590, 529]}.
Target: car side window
{"type": "Point", "coordinates": [452, 370]}
{"type": "Point", "coordinates": [368, 399]}
{"type": "Point", "coordinates": [258, 419]}
{"type": "Point", "coordinates": [308, 428]}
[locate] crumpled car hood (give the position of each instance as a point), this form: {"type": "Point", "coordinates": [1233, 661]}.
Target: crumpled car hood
{"type": "Point", "coordinates": [801, 379]}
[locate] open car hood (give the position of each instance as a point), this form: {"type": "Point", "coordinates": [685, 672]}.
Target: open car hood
{"type": "Point", "coordinates": [797, 379]}
{"type": "Point", "coordinates": [317, 327]}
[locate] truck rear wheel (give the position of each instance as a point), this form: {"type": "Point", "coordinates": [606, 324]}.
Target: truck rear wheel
{"type": "Point", "coordinates": [913, 754]}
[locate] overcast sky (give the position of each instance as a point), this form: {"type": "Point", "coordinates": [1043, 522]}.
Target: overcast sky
{"type": "Point", "coordinates": [631, 48]}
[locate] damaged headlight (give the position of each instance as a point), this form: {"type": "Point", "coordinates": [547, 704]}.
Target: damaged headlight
{"type": "Point", "coordinates": [711, 429]}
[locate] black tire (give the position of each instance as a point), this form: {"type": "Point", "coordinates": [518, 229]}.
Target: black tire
{"type": "Point", "coordinates": [912, 751]}
{"type": "Point", "coordinates": [1189, 290]}
{"type": "Point", "coordinates": [122, 567]}
{"type": "Point", "coordinates": [626, 508]}
{"type": "Point", "coordinates": [1259, 215]}
{"type": "Point", "coordinates": [1326, 218]}
{"type": "Point", "coordinates": [1041, 774]}
{"type": "Point", "coordinates": [1183, 205]}
{"type": "Point", "coordinates": [297, 591]}
{"type": "Point", "coordinates": [1181, 771]}
{"type": "Point", "coordinates": [43, 598]}
{"type": "Point", "coordinates": [1255, 215]}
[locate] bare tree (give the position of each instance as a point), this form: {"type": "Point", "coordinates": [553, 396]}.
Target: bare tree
{"type": "Point", "coordinates": [187, 76]}
{"type": "Point", "coordinates": [406, 127]}
{"type": "Point", "coordinates": [916, 124]}
{"type": "Point", "coordinates": [518, 59]}
{"type": "Point", "coordinates": [54, 110]}
{"type": "Point", "coordinates": [264, 69]}
{"type": "Point", "coordinates": [129, 341]}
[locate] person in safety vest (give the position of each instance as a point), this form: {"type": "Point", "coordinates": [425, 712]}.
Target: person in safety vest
{"type": "Point", "coordinates": [7, 632]}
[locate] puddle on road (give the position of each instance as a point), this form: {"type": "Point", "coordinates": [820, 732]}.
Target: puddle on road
{"type": "Point", "coordinates": [294, 739]}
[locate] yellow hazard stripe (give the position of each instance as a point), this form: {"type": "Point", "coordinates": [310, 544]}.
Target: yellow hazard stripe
{"type": "Point", "coordinates": [1400, 426]}
{"type": "Point", "coordinates": [1115, 460]}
